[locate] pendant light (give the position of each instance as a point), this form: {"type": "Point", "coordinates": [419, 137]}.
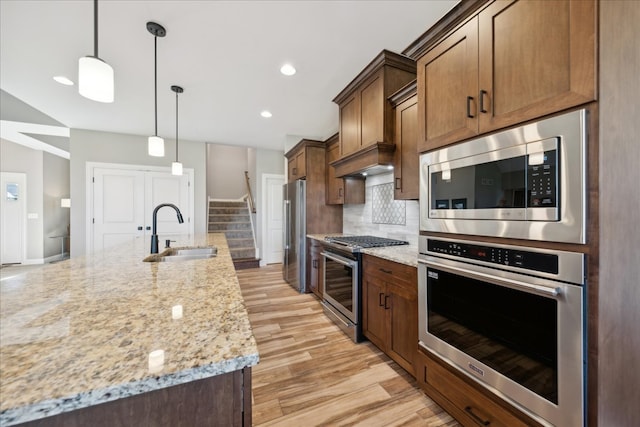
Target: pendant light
{"type": "Point", "coordinates": [95, 77]}
{"type": "Point", "coordinates": [176, 167]}
{"type": "Point", "coordinates": [156, 144]}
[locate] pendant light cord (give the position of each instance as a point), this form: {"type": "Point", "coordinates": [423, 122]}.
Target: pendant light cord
{"type": "Point", "coordinates": [176, 126]}
{"type": "Point", "coordinates": [155, 80]}
{"type": "Point", "coordinates": [95, 28]}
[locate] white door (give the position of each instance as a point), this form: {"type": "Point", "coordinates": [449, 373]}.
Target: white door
{"type": "Point", "coordinates": [272, 233]}
{"type": "Point", "coordinates": [12, 217]}
{"type": "Point", "coordinates": [162, 187]}
{"type": "Point", "coordinates": [118, 207]}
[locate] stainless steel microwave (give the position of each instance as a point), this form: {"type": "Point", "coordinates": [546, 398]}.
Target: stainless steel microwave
{"type": "Point", "coordinates": [523, 183]}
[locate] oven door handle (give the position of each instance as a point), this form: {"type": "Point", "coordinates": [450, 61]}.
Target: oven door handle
{"type": "Point", "coordinates": [339, 260]}
{"type": "Point", "coordinates": [543, 291]}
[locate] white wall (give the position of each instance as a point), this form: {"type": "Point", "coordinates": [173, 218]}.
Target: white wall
{"type": "Point", "coordinates": [357, 219]}
{"type": "Point", "coordinates": [91, 146]}
{"type": "Point", "coordinates": [17, 158]}
{"type": "Point", "coordinates": [225, 171]}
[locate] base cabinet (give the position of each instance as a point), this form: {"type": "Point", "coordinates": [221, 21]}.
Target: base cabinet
{"type": "Point", "coordinates": [464, 401]}
{"type": "Point", "coordinates": [390, 309]}
{"type": "Point", "coordinates": [223, 400]}
{"type": "Point", "coordinates": [316, 264]}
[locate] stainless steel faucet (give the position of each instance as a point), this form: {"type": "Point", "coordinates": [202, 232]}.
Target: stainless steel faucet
{"type": "Point", "coordinates": [154, 236]}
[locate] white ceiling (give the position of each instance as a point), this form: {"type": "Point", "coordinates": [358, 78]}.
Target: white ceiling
{"type": "Point", "coordinates": [225, 54]}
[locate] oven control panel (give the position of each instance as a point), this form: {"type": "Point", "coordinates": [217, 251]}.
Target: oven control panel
{"type": "Point", "coordinates": [528, 260]}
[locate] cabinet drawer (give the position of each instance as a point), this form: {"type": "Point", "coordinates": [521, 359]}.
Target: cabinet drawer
{"type": "Point", "coordinates": [390, 270]}
{"type": "Point", "coordinates": [472, 403]}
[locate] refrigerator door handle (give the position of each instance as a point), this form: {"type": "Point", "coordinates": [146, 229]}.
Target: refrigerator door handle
{"type": "Point", "coordinates": [287, 232]}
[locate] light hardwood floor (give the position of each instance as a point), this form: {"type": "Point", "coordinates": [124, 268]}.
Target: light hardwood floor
{"type": "Point", "coordinates": [311, 374]}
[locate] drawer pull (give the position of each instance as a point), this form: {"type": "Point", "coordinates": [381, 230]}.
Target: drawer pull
{"type": "Point", "coordinates": [384, 270]}
{"type": "Point", "coordinates": [469, 410]}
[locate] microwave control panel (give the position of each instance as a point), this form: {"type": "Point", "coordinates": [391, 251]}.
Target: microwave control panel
{"type": "Point", "coordinates": [528, 260]}
{"type": "Point", "coordinates": [542, 181]}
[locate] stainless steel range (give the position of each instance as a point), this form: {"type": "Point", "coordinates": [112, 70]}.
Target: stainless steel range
{"type": "Point", "coordinates": [343, 279]}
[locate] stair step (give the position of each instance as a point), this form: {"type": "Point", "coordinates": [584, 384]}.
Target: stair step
{"type": "Point", "coordinates": [239, 242]}
{"type": "Point", "coordinates": [229, 218]}
{"type": "Point", "coordinates": [228, 211]}
{"type": "Point", "coordinates": [245, 263]}
{"type": "Point", "coordinates": [228, 204]}
{"type": "Point", "coordinates": [222, 226]}
{"type": "Point", "coordinates": [237, 253]}
{"type": "Point", "coordinates": [238, 234]}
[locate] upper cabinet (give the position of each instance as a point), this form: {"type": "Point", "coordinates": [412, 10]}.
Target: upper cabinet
{"type": "Point", "coordinates": [297, 161]}
{"type": "Point", "coordinates": [514, 61]}
{"type": "Point", "coordinates": [405, 161]}
{"type": "Point", "coordinates": [366, 117]}
{"type": "Point", "coordinates": [340, 191]}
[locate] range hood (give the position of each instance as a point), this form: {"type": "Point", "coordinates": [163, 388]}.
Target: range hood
{"type": "Point", "coordinates": [372, 160]}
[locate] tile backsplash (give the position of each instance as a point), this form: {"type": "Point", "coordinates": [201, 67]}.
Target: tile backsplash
{"type": "Point", "coordinates": [366, 219]}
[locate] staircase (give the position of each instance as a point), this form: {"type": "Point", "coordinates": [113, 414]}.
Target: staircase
{"type": "Point", "coordinates": [233, 219]}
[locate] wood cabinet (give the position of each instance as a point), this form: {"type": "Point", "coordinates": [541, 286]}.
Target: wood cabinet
{"type": "Point", "coordinates": [316, 263]}
{"type": "Point", "coordinates": [309, 156]}
{"type": "Point", "coordinates": [366, 117]}
{"type": "Point", "coordinates": [462, 399]}
{"type": "Point", "coordinates": [297, 165]}
{"type": "Point", "coordinates": [406, 160]}
{"type": "Point", "coordinates": [513, 62]}
{"type": "Point", "coordinates": [340, 191]}
{"type": "Point", "coordinates": [390, 309]}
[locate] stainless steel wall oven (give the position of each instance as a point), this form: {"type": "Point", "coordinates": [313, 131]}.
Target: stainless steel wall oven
{"type": "Point", "coordinates": [511, 318]}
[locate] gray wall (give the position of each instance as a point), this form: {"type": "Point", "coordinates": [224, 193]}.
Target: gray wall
{"type": "Point", "coordinates": [55, 187]}
{"type": "Point", "coordinates": [91, 146]}
{"type": "Point", "coordinates": [17, 158]}
{"type": "Point", "coordinates": [270, 162]}
{"type": "Point", "coordinates": [225, 171]}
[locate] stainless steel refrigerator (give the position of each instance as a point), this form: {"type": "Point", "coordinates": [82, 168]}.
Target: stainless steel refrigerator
{"type": "Point", "coordinates": [295, 232]}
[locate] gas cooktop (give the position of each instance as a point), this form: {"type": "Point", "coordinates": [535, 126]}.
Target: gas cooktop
{"type": "Point", "coordinates": [360, 242]}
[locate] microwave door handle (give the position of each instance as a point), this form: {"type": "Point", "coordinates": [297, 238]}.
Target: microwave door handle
{"type": "Point", "coordinates": [338, 260]}
{"type": "Point", "coordinates": [507, 283]}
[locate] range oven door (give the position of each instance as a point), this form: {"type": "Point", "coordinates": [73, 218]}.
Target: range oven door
{"type": "Point", "coordinates": [342, 292]}
{"type": "Point", "coordinates": [518, 335]}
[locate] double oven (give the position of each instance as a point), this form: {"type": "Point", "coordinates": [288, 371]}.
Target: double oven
{"type": "Point", "coordinates": [508, 315]}
{"type": "Point", "coordinates": [342, 296]}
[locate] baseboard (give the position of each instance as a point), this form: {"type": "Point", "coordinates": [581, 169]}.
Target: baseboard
{"type": "Point", "coordinates": [33, 261]}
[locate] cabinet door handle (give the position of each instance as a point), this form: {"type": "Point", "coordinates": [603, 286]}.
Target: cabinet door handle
{"type": "Point", "coordinates": [339, 192]}
{"type": "Point", "coordinates": [469, 99]}
{"type": "Point", "coordinates": [483, 93]}
{"type": "Point", "coordinates": [314, 263]}
{"type": "Point", "coordinates": [380, 302]}
{"type": "Point", "coordinates": [398, 186]}
{"type": "Point", "coordinates": [148, 227]}
{"type": "Point", "coordinates": [384, 270]}
{"type": "Point", "coordinates": [140, 228]}
{"type": "Point", "coordinates": [469, 410]}
{"type": "Point", "coordinates": [295, 171]}
{"type": "Point", "coordinates": [386, 298]}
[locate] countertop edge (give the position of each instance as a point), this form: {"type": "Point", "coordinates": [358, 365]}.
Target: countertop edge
{"type": "Point", "coordinates": [51, 407]}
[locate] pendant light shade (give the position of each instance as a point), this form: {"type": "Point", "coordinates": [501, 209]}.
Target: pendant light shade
{"type": "Point", "coordinates": [176, 167]}
{"type": "Point", "coordinates": [95, 77]}
{"type": "Point", "coordinates": [155, 145]}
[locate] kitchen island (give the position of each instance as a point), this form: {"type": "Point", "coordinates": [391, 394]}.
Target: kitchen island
{"type": "Point", "coordinates": [79, 341]}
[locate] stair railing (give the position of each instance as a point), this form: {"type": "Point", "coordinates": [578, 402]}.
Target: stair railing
{"type": "Point", "coordinates": [252, 205]}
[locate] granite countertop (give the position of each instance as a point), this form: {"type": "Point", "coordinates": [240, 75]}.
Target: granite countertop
{"type": "Point", "coordinates": [404, 254]}
{"type": "Point", "coordinates": [80, 332]}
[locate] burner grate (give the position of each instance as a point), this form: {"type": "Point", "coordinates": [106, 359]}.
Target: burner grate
{"type": "Point", "coordinates": [366, 241]}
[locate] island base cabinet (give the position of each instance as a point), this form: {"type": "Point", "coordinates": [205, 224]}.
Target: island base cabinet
{"type": "Point", "coordinates": [464, 401]}
{"type": "Point", "coordinates": [223, 400]}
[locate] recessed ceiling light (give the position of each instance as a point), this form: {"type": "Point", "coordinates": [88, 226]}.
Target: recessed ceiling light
{"type": "Point", "coordinates": [63, 80]}
{"type": "Point", "coordinates": [364, 174]}
{"type": "Point", "coordinates": [288, 70]}
{"type": "Point", "coordinates": [390, 167]}
{"type": "Point", "coordinates": [266, 114]}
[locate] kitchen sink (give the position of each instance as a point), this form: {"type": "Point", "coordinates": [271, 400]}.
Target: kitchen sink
{"type": "Point", "coordinates": [183, 254]}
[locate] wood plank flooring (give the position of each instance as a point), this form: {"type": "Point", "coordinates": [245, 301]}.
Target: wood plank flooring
{"type": "Point", "coordinates": [311, 374]}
